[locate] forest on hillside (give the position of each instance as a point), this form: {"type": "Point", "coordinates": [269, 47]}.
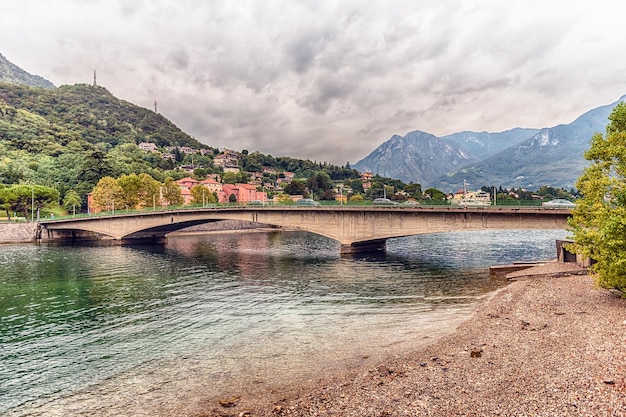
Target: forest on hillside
{"type": "Point", "coordinates": [70, 137]}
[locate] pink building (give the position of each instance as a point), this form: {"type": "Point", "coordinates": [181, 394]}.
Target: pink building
{"type": "Point", "coordinates": [244, 193]}
{"type": "Point", "coordinates": [186, 184]}
{"type": "Point", "coordinates": [213, 185]}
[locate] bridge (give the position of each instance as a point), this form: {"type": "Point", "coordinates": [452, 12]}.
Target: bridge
{"type": "Point", "coordinates": [357, 228]}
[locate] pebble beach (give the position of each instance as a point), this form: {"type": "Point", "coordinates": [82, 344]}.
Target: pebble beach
{"type": "Point", "coordinates": [548, 344]}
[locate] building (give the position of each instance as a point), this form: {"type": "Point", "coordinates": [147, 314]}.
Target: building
{"type": "Point", "coordinates": [244, 193]}
{"type": "Point", "coordinates": [463, 197]}
{"type": "Point", "coordinates": [226, 160]}
{"type": "Point", "coordinates": [186, 184]}
{"type": "Point", "coordinates": [212, 185]}
{"type": "Point", "coordinates": [148, 147]}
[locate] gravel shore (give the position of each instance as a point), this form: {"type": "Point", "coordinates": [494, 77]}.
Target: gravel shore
{"type": "Point", "coordinates": [548, 344]}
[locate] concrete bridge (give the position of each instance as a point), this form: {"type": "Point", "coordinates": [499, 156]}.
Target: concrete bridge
{"type": "Point", "coordinates": [357, 228]}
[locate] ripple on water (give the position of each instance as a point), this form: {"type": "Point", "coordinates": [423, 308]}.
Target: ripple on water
{"type": "Point", "coordinates": [89, 329]}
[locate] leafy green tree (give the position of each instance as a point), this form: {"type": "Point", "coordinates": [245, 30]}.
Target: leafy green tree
{"type": "Point", "coordinates": [319, 182]}
{"type": "Point", "coordinates": [356, 185]}
{"type": "Point", "coordinates": [230, 178]}
{"type": "Point", "coordinates": [599, 220]}
{"type": "Point", "coordinates": [295, 187]}
{"type": "Point", "coordinates": [202, 195]}
{"type": "Point", "coordinates": [435, 194]}
{"type": "Point", "coordinates": [377, 190]}
{"type": "Point", "coordinates": [171, 192]}
{"type": "Point", "coordinates": [414, 190]}
{"type": "Point", "coordinates": [130, 186]}
{"type": "Point", "coordinates": [45, 197]}
{"type": "Point", "coordinates": [107, 195]}
{"type": "Point", "coordinates": [149, 190]}
{"type": "Point", "coordinates": [28, 199]}
{"type": "Point", "coordinates": [71, 201]}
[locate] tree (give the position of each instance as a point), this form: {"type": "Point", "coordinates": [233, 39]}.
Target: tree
{"type": "Point", "coordinates": [171, 192]}
{"type": "Point", "coordinates": [435, 194]}
{"type": "Point", "coordinates": [107, 194]}
{"type": "Point", "coordinates": [598, 221]}
{"type": "Point", "coordinates": [44, 197]}
{"type": "Point", "coordinates": [377, 190]}
{"type": "Point", "coordinates": [283, 199]}
{"type": "Point", "coordinates": [230, 178]}
{"type": "Point", "coordinates": [130, 191]}
{"type": "Point", "coordinates": [319, 182]}
{"type": "Point", "coordinates": [202, 195]}
{"type": "Point", "coordinates": [71, 201]}
{"type": "Point", "coordinates": [295, 187]}
{"type": "Point", "coordinates": [27, 199]}
{"type": "Point", "coordinates": [4, 200]}
{"type": "Point", "coordinates": [148, 192]}
{"type": "Point", "coordinates": [356, 185]}
{"type": "Point", "coordinates": [414, 190]}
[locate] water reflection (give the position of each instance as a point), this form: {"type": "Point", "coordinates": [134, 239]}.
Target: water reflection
{"type": "Point", "coordinates": [234, 306]}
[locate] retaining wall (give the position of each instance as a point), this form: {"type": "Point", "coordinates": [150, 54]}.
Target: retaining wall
{"type": "Point", "coordinates": [18, 232]}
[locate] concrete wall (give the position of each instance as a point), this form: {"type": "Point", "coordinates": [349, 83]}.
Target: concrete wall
{"type": "Point", "coordinates": [18, 232]}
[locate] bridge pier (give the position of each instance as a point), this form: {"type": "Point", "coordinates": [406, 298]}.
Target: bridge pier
{"type": "Point", "coordinates": [377, 245]}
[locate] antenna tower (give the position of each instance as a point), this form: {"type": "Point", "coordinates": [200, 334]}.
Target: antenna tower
{"type": "Point", "coordinates": [155, 106]}
{"type": "Point", "coordinates": [94, 79]}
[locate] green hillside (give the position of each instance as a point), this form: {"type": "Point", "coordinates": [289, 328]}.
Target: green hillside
{"type": "Point", "coordinates": [70, 137]}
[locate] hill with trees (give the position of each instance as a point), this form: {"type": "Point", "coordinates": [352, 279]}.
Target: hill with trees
{"type": "Point", "coordinates": [69, 138]}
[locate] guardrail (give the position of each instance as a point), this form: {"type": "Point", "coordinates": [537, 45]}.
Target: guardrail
{"type": "Point", "coordinates": [323, 205]}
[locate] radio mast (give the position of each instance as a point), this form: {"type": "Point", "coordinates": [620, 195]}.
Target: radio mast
{"type": "Point", "coordinates": [94, 79]}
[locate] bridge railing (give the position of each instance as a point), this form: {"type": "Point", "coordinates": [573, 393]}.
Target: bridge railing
{"type": "Point", "coordinates": [291, 206]}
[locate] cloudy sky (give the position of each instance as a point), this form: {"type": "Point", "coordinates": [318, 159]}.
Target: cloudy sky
{"type": "Point", "coordinates": [330, 80]}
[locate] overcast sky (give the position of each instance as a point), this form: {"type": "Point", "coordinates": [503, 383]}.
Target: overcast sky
{"type": "Point", "coordinates": [330, 80]}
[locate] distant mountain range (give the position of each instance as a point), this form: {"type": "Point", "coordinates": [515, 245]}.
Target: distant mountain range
{"type": "Point", "coordinates": [12, 74]}
{"type": "Point", "coordinates": [526, 158]}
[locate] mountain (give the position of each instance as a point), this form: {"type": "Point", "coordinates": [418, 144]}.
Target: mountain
{"type": "Point", "coordinates": [12, 74]}
{"type": "Point", "coordinates": [415, 157]}
{"type": "Point", "coordinates": [526, 158]}
{"type": "Point", "coordinates": [484, 144]}
{"type": "Point", "coordinates": [82, 113]}
{"type": "Point", "coordinates": [553, 156]}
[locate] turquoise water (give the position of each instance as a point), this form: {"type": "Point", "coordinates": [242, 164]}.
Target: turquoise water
{"type": "Point", "coordinates": [88, 329]}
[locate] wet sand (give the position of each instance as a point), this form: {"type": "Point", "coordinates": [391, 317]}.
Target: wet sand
{"type": "Point", "coordinates": [548, 344]}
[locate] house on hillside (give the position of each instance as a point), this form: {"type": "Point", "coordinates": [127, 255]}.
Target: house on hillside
{"type": "Point", "coordinates": [226, 160]}
{"type": "Point", "coordinates": [366, 176]}
{"type": "Point", "coordinates": [148, 147]}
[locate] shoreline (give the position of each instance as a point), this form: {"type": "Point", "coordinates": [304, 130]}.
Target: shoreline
{"type": "Point", "coordinates": [549, 344]}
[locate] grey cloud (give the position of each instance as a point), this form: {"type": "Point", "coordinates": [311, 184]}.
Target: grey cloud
{"type": "Point", "coordinates": [328, 80]}
{"type": "Point", "coordinates": [178, 58]}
